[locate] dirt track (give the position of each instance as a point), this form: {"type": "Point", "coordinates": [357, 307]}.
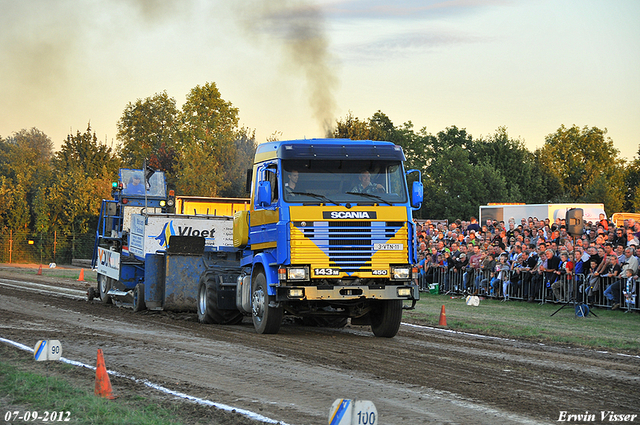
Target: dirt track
{"type": "Point", "coordinates": [423, 375]}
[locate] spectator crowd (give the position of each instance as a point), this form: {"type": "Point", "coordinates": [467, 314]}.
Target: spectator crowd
{"type": "Point", "coordinates": [534, 260]}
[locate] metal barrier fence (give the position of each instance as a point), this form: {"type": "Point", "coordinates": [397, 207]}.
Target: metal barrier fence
{"type": "Point", "coordinates": [527, 286]}
{"type": "Point", "coordinates": [44, 248]}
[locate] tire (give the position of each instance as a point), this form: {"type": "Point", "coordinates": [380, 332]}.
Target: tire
{"type": "Point", "coordinates": [266, 319]}
{"type": "Point", "coordinates": [104, 285]}
{"type": "Point", "coordinates": [92, 293]}
{"type": "Point", "coordinates": [138, 298]}
{"type": "Point", "coordinates": [385, 318]}
{"type": "Point", "coordinates": [207, 303]}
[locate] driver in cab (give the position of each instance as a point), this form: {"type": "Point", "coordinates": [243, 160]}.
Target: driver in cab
{"type": "Point", "coordinates": [366, 186]}
{"type": "Point", "coordinates": [290, 186]}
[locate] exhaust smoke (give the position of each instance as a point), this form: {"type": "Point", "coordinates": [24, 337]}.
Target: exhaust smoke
{"type": "Point", "coordinates": [300, 28]}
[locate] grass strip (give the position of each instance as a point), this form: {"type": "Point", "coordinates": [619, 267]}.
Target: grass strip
{"type": "Point", "coordinates": [58, 273]}
{"type": "Point", "coordinates": [532, 322]}
{"type": "Point", "coordinates": [41, 394]}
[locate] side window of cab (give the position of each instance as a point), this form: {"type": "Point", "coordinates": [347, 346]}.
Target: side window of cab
{"type": "Point", "coordinates": [267, 187]}
{"type": "Point", "coordinates": [272, 177]}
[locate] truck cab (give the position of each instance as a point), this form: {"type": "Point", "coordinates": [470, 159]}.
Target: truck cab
{"type": "Point", "coordinates": [329, 234]}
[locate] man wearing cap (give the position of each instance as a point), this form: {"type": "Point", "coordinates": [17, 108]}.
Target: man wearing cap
{"type": "Point", "coordinates": [619, 237]}
{"type": "Point", "coordinates": [136, 186]}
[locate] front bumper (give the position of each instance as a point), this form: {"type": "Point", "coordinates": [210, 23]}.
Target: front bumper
{"type": "Point", "coordinates": [345, 293]}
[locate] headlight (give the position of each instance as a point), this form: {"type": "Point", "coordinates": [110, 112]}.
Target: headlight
{"type": "Point", "coordinates": [401, 273]}
{"type": "Point", "coordinates": [404, 292]}
{"type": "Point", "coordinates": [298, 273]}
{"type": "Point", "coordinates": [162, 203]}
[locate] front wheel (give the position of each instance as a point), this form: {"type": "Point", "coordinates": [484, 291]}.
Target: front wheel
{"type": "Point", "coordinates": [266, 318]}
{"type": "Point", "coordinates": [208, 311]}
{"type": "Point", "coordinates": [386, 317]}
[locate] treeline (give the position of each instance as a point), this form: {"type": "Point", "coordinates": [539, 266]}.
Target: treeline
{"type": "Point", "coordinates": [461, 173]}
{"type": "Point", "coordinates": [204, 152]}
{"type": "Point", "coordinates": [49, 199]}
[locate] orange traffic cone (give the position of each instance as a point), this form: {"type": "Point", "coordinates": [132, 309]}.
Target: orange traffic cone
{"type": "Point", "coordinates": [39, 270]}
{"type": "Point", "coordinates": [81, 277]}
{"type": "Point", "coordinates": [103, 384]}
{"type": "Point", "coordinates": [443, 317]}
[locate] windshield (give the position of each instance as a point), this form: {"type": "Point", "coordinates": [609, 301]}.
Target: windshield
{"type": "Point", "coordinates": [342, 181]}
{"type": "Point", "coordinates": [134, 184]}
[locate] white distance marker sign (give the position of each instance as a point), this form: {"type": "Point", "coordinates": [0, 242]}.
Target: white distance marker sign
{"type": "Point", "coordinates": [47, 350]}
{"type": "Point", "coordinates": [353, 412]}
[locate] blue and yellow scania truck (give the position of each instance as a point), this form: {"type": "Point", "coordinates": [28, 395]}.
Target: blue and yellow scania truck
{"type": "Point", "coordinates": [328, 236]}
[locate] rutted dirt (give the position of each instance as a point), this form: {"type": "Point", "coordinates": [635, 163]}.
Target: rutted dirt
{"type": "Point", "coordinates": [423, 375]}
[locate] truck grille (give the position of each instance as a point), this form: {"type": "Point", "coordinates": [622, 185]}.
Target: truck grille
{"type": "Point", "coordinates": [348, 245]}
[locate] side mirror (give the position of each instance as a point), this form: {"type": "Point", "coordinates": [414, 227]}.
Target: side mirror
{"type": "Point", "coordinates": [417, 191]}
{"type": "Point", "coordinates": [417, 195]}
{"type": "Point", "coordinates": [264, 194]}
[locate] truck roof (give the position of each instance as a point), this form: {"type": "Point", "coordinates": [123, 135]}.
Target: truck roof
{"type": "Point", "coordinates": [329, 149]}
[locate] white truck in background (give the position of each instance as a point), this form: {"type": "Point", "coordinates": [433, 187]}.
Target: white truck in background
{"type": "Point", "coordinates": [504, 212]}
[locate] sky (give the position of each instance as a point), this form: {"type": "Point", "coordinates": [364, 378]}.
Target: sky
{"type": "Point", "coordinates": [294, 67]}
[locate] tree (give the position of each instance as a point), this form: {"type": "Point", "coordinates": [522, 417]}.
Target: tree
{"type": "Point", "coordinates": [242, 160]}
{"type": "Point", "coordinates": [84, 170]}
{"type": "Point", "coordinates": [148, 129]}
{"type": "Point", "coordinates": [208, 135]}
{"type": "Point", "coordinates": [378, 127]}
{"type": "Point", "coordinates": [608, 188]}
{"type": "Point", "coordinates": [577, 157]}
{"type": "Point", "coordinates": [36, 141]}
{"type": "Point", "coordinates": [25, 164]}
{"type": "Point", "coordinates": [381, 128]}
{"type": "Point", "coordinates": [632, 185]}
{"type": "Point", "coordinates": [454, 187]}
{"type": "Point", "coordinates": [84, 152]}
{"type": "Point", "coordinates": [14, 208]}
{"type": "Point", "coordinates": [511, 159]}
{"type": "Point", "coordinates": [545, 186]}
{"type": "Point", "coordinates": [414, 146]}
{"type": "Point", "coordinates": [165, 159]}
{"type": "Point", "coordinates": [352, 128]}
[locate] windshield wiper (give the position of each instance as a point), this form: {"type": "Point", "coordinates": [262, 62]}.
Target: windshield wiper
{"type": "Point", "coordinates": [370, 195]}
{"type": "Point", "coordinates": [317, 196]}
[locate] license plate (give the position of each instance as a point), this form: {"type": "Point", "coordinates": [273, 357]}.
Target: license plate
{"type": "Point", "coordinates": [388, 247]}
{"type": "Point", "coordinates": [326, 272]}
